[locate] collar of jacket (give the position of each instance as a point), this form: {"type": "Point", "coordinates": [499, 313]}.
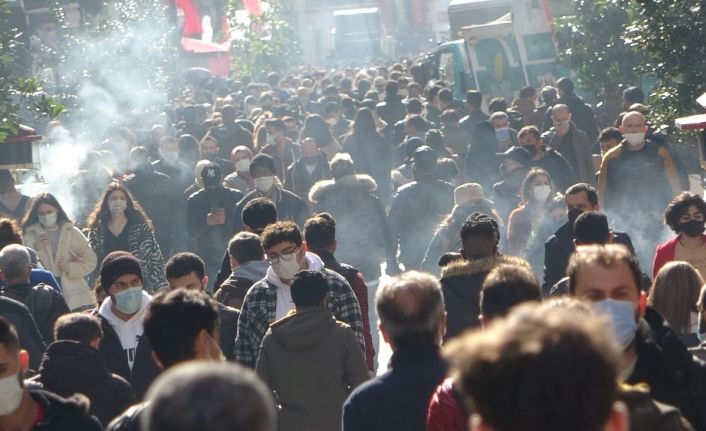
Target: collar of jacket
{"type": "Point", "coordinates": [357, 181]}
{"type": "Point", "coordinates": [413, 354]}
{"type": "Point", "coordinates": [469, 267]}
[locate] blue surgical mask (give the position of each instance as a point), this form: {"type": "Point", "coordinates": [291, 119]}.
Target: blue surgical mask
{"type": "Point", "coordinates": [622, 319]}
{"type": "Point", "coordinates": [502, 134]}
{"type": "Point", "coordinates": [129, 300]}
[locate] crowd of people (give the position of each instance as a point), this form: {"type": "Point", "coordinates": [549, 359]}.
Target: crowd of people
{"type": "Point", "coordinates": [236, 262]}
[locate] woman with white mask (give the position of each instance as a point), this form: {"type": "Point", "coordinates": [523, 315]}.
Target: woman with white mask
{"type": "Point", "coordinates": [118, 223]}
{"type": "Point", "coordinates": [61, 248]}
{"type": "Point", "coordinates": [524, 221]}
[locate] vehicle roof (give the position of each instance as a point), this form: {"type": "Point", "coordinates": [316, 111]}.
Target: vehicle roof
{"type": "Point", "coordinates": [473, 4]}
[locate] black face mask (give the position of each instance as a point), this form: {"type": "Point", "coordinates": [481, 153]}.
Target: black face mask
{"type": "Point", "coordinates": [573, 214]}
{"type": "Point", "coordinates": [692, 228]}
{"type": "Point", "coordinates": [531, 149]}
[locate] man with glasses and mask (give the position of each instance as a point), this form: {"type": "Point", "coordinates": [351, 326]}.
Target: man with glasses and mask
{"type": "Point", "coordinates": [608, 278]}
{"type": "Point", "coordinates": [270, 299]}
{"type": "Point", "coordinates": [24, 409]}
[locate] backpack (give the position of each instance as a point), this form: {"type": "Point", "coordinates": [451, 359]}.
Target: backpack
{"type": "Point", "coordinates": [40, 301]}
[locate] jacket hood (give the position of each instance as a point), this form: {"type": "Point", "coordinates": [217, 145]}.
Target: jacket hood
{"type": "Point", "coordinates": [350, 183]}
{"type": "Point", "coordinates": [523, 104]}
{"type": "Point", "coordinates": [470, 267]}
{"type": "Point", "coordinates": [304, 329]}
{"type": "Point", "coordinates": [67, 365]}
{"type": "Point", "coordinates": [254, 270]}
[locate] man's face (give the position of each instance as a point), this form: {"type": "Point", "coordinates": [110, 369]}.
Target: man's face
{"type": "Point", "coordinates": [529, 140]}
{"type": "Point", "coordinates": [562, 121]}
{"type": "Point", "coordinates": [500, 123]}
{"type": "Point", "coordinates": [240, 155]}
{"type": "Point", "coordinates": [208, 147]}
{"type": "Point", "coordinates": [170, 145]}
{"type": "Point", "coordinates": [596, 282]}
{"type": "Point", "coordinates": [634, 124]}
{"type": "Point", "coordinates": [189, 281]}
{"type": "Point", "coordinates": [309, 148]}
{"type": "Point", "coordinates": [9, 362]}
{"type": "Point", "coordinates": [579, 201]}
{"type": "Point", "coordinates": [608, 145]}
{"type": "Point", "coordinates": [261, 171]}
{"type": "Point", "coordinates": [284, 248]}
{"type": "Point", "coordinates": [124, 282]}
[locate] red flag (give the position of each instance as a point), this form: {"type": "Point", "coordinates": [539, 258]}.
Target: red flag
{"type": "Point", "coordinates": [253, 6]}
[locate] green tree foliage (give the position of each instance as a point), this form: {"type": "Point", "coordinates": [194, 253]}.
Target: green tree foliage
{"type": "Point", "coordinates": [591, 43]}
{"type": "Point", "coordinates": [672, 35]}
{"type": "Point", "coordinates": [21, 99]}
{"type": "Point", "coordinates": [269, 43]}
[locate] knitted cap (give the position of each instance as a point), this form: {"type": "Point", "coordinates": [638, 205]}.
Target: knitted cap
{"type": "Point", "coordinates": [117, 264]}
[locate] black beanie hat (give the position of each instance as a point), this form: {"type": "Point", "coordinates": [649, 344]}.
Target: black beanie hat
{"type": "Point", "coordinates": [117, 264]}
{"type": "Point", "coordinates": [262, 160]}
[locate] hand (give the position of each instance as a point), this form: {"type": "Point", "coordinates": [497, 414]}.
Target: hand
{"type": "Point", "coordinates": [42, 241]}
{"type": "Point", "coordinates": [216, 218]}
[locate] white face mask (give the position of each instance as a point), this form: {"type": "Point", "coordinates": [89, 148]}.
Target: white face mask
{"type": "Point", "coordinates": [117, 205]}
{"type": "Point", "coordinates": [264, 184]}
{"type": "Point", "coordinates": [635, 139]}
{"type": "Point", "coordinates": [270, 139]}
{"type": "Point", "coordinates": [541, 193]}
{"type": "Point", "coordinates": [286, 266]}
{"type": "Point", "coordinates": [10, 395]}
{"type": "Point", "coordinates": [242, 165]}
{"type": "Point", "coordinates": [48, 220]}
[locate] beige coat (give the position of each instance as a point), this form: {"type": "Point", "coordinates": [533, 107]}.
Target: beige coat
{"type": "Point", "coordinates": [74, 248]}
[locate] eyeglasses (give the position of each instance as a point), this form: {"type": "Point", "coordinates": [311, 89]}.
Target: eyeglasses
{"type": "Point", "coordinates": [285, 256]}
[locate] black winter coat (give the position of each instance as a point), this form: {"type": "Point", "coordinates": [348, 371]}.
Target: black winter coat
{"type": "Point", "coordinates": [559, 248]}
{"type": "Point", "coordinates": [417, 208]}
{"type": "Point", "coordinates": [227, 330]}
{"type": "Point", "coordinates": [30, 339]}
{"type": "Point", "coordinates": [461, 282]}
{"type": "Point", "coordinates": [210, 241]}
{"type": "Point", "coordinates": [144, 369]}
{"type": "Point", "coordinates": [70, 367]}
{"type": "Point", "coordinates": [674, 375]}
{"type": "Point", "coordinates": [44, 303]}
{"type": "Point", "coordinates": [63, 415]}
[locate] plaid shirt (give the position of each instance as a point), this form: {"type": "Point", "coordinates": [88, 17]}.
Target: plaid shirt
{"type": "Point", "coordinates": [260, 305]}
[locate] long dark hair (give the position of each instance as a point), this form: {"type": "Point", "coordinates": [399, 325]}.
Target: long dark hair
{"type": "Point", "coordinates": [9, 232]}
{"type": "Point", "coordinates": [31, 216]}
{"type": "Point", "coordinates": [315, 127]}
{"type": "Point", "coordinates": [101, 211]}
{"type": "Point", "coordinates": [364, 124]}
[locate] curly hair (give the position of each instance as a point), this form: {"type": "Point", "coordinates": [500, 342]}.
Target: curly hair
{"type": "Point", "coordinates": [101, 211]}
{"type": "Point", "coordinates": [679, 206]}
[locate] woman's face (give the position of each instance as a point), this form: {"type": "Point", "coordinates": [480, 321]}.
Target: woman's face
{"type": "Point", "coordinates": [692, 213]}
{"type": "Point", "coordinates": [45, 209]}
{"type": "Point", "coordinates": [117, 195]}
{"type": "Point", "coordinates": [541, 180]}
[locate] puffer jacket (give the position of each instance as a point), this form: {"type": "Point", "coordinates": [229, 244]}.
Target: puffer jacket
{"type": "Point", "coordinates": [75, 249]}
{"type": "Point", "coordinates": [461, 283]}
{"type": "Point", "coordinates": [363, 235]}
{"type": "Point", "coordinates": [143, 245]}
{"type": "Point", "coordinates": [70, 367]}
